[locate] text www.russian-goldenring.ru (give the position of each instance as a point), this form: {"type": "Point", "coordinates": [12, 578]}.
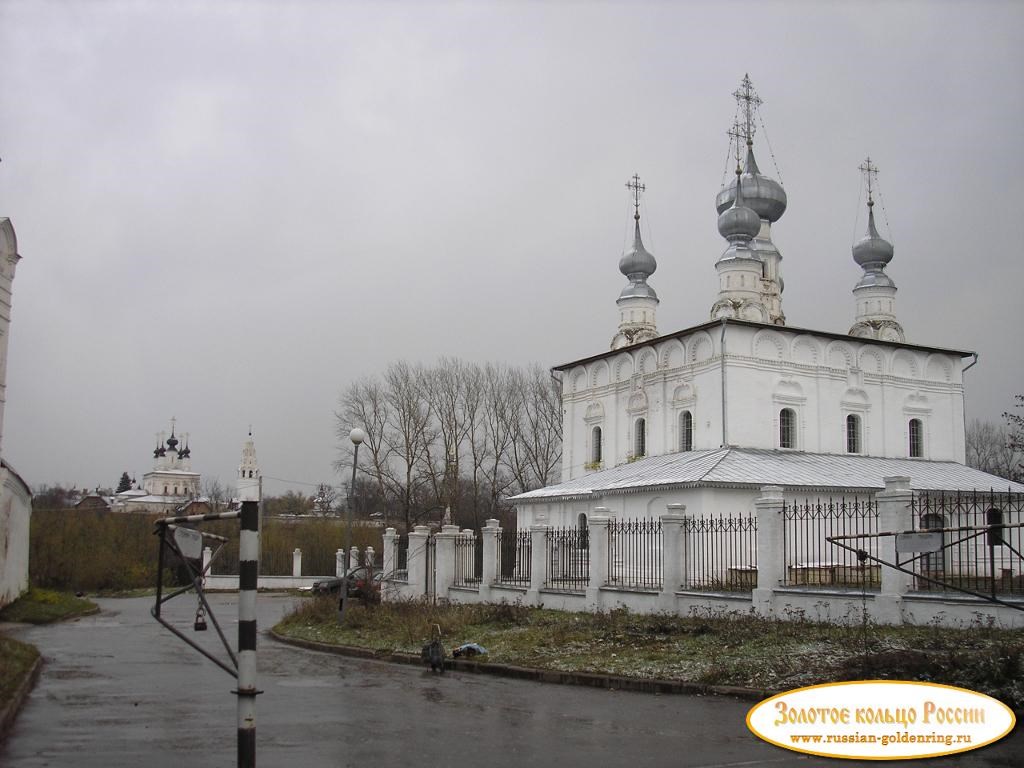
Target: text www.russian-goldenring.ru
{"type": "Point", "coordinates": [884, 740]}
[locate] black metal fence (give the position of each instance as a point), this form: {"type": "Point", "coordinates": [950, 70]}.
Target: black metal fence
{"type": "Point", "coordinates": [402, 558]}
{"type": "Point", "coordinates": [515, 555]}
{"type": "Point", "coordinates": [568, 559]}
{"type": "Point", "coordinates": [812, 561]}
{"type": "Point", "coordinates": [635, 553]}
{"type": "Point", "coordinates": [720, 553]}
{"type": "Point", "coordinates": [469, 559]}
{"type": "Point", "coordinates": [979, 542]}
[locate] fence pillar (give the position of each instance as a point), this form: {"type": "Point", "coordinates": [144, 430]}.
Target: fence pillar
{"type": "Point", "coordinates": [771, 547]}
{"type": "Point", "coordinates": [489, 568]}
{"type": "Point", "coordinates": [597, 555]}
{"type": "Point", "coordinates": [297, 562]}
{"type": "Point", "coordinates": [207, 557]}
{"type": "Point", "coordinates": [369, 556]}
{"type": "Point", "coordinates": [894, 514]}
{"type": "Point", "coordinates": [672, 570]}
{"type": "Point", "coordinates": [538, 563]}
{"type": "Point", "coordinates": [416, 560]}
{"type": "Point", "coordinates": [390, 552]}
{"type": "Point", "coordinates": [353, 557]}
{"type": "Point", "coordinates": [339, 563]}
{"type": "Point", "coordinates": [444, 566]}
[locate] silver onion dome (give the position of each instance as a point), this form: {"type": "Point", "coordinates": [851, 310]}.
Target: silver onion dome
{"type": "Point", "coordinates": [739, 222]}
{"type": "Point", "coordinates": [763, 195]}
{"type": "Point", "coordinates": [872, 252]}
{"type": "Point", "coordinates": [637, 263]}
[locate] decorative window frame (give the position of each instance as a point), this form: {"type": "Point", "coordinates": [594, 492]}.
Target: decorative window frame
{"type": "Point", "coordinates": [794, 402]}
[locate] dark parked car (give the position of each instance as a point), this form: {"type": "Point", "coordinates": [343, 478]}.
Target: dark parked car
{"type": "Point", "coordinates": [356, 583]}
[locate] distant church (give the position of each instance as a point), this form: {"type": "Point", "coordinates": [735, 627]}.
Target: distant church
{"type": "Point", "coordinates": [708, 415]}
{"type": "Point", "coordinates": [170, 486]}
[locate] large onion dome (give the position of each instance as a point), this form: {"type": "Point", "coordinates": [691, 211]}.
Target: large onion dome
{"type": "Point", "coordinates": [763, 195]}
{"type": "Point", "coordinates": [872, 251]}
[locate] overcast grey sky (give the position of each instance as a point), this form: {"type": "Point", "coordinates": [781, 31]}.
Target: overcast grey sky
{"type": "Point", "coordinates": [228, 211]}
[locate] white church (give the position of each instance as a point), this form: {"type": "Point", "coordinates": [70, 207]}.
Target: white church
{"type": "Point", "coordinates": [708, 415]}
{"type": "Point", "coordinates": [169, 487]}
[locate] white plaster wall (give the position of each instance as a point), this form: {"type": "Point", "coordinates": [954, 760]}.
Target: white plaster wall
{"type": "Point", "coordinates": [15, 515]}
{"type": "Point", "coordinates": [766, 369]}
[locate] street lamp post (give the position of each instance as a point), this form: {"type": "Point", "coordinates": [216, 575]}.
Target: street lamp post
{"type": "Point", "coordinates": [357, 436]}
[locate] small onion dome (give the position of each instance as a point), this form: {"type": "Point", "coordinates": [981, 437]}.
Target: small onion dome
{"type": "Point", "coordinates": [872, 252]}
{"type": "Point", "coordinates": [763, 195]}
{"type": "Point", "coordinates": [636, 263]}
{"type": "Point", "coordinates": [185, 452]}
{"type": "Point", "coordinates": [739, 222]}
{"type": "Point", "coordinates": [172, 442]}
{"type": "Point", "coordinates": [157, 452]}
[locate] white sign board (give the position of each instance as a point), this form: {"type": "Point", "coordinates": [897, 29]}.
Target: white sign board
{"type": "Point", "coordinates": [918, 542]}
{"type": "Point", "coordinates": [190, 543]}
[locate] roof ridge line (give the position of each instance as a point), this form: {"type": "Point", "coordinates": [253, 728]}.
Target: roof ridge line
{"type": "Point", "coordinates": [726, 449]}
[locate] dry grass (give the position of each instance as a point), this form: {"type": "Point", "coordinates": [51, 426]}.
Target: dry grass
{"type": "Point", "coordinates": [723, 649]}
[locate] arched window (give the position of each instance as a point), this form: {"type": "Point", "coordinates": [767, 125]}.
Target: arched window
{"type": "Point", "coordinates": [787, 428]}
{"type": "Point", "coordinates": [595, 445]}
{"type": "Point", "coordinates": [165, 490]}
{"type": "Point", "coordinates": [640, 438]}
{"type": "Point", "coordinates": [685, 431]}
{"type": "Point", "coordinates": [916, 432]}
{"type": "Point", "coordinates": [853, 443]}
{"type": "Point", "coordinates": [583, 530]}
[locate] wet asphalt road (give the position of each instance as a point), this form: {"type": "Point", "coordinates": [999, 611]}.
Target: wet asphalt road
{"type": "Point", "coordinates": [119, 690]}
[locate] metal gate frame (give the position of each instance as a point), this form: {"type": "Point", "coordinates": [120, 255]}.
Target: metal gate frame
{"type": "Point", "coordinates": [430, 564]}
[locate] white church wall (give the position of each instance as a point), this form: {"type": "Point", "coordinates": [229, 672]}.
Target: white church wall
{"type": "Point", "coordinates": [15, 516]}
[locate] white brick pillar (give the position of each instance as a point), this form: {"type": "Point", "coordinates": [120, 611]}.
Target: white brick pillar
{"type": "Point", "coordinates": [444, 567]}
{"type": "Point", "coordinates": [597, 545]}
{"type": "Point", "coordinates": [771, 548]}
{"type": "Point", "coordinates": [353, 557]}
{"type": "Point", "coordinates": [297, 562]}
{"type": "Point", "coordinates": [673, 553]}
{"type": "Point", "coordinates": [207, 557]}
{"type": "Point", "coordinates": [416, 560]}
{"type": "Point", "coordinates": [369, 558]}
{"type": "Point", "coordinates": [538, 563]}
{"type": "Point", "coordinates": [489, 570]}
{"type": "Point", "coordinates": [894, 514]}
{"type": "Point", "coordinates": [390, 552]}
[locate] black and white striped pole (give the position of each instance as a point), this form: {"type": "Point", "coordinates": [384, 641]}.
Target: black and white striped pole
{"type": "Point", "coordinates": [249, 489]}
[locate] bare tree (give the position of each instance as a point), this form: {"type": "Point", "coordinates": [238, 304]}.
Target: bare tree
{"type": "Point", "coordinates": [989, 447]}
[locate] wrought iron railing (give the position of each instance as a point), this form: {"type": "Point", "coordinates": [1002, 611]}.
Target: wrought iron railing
{"type": "Point", "coordinates": [469, 558]}
{"type": "Point", "coordinates": [402, 558]}
{"type": "Point", "coordinates": [812, 561]}
{"type": "Point", "coordinates": [515, 554]}
{"type": "Point", "coordinates": [979, 542]}
{"type": "Point", "coordinates": [635, 553]}
{"type": "Point", "coordinates": [567, 559]}
{"type": "Point", "coordinates": [720, 553]}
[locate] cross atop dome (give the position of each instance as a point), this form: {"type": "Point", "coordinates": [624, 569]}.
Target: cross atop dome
{"type": "Point", "coordinates": [870, 172]}
{"type": "Point", "coordinates": [634, 186]}
{"type": "Point", "coordinates": [747, 102]}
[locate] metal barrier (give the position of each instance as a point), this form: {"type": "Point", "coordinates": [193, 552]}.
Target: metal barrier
{"type": "Point", "coordinates": [811, 561]}
{"type": "Point", "coordinates": [469, 560]}
{"type": "Point", "coordinates": [515, 551]}
{"type": "Point", "coordinates": [978, 542]}
{"type": "Point", "coordinates": [720, 553]}
{"type": "Point", "coordinates": [568, 559]}
{"type": "Point", "coordinates": [635, 553]}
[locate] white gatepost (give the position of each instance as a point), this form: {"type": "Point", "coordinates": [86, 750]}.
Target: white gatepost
{"type": "Point", "coordinates": [207, 557]}
{"type": "Point", "coordinates": [538, 563]}
{"type": "Point", "coordinates": [489, 570]}
{"type": "Point", "coordinates": [771, 547]}
{"type": "Point", "coordinates": [390, 552]}
{"type": "Point", "coordinates": [597, 540]}
{"type": "Point", "coordinates": [416, 560]}
{"type": "Point", "coordinates": [339, 563]}
{"type": "Point", "coordinates": [369, 556]}
{"type": "Point", "coordinates": [353, 557]}
{"type": "Point", "coordinates": [297, 562]}
{"type": "Point", "coordinates": [444, 565]}
{"type": "Point", "coordinates": [894, 515]}
{"type": "Point", "coordinates": [674, 552]}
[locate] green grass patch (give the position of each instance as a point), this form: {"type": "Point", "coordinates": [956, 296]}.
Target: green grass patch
{"type": "Point", "coordinates": [16, 660]}
{"type": "Point", "coordinates": [42, 606]}
{"type": "Point", "coordinates": [720, 649]}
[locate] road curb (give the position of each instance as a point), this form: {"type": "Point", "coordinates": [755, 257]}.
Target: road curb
{"type": "Point", "coordinates": [588, 679]}
{"type": "Point", "coordinates": [10, 712]}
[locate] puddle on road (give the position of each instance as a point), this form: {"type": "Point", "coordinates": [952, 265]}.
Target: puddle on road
{"type": "Point", "coordinates": [307, 682]}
